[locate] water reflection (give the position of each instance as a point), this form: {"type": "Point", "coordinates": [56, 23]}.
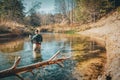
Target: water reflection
{"type": "Point", "coordinates": [23, 48]}
{"type": "Point", "coordinates": [50, 45]}
{"type": "Point", "coordinates": [13, 46]}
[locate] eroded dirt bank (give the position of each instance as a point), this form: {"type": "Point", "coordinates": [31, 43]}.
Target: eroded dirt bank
{"type": "Point", "coordinates": [108, 34]}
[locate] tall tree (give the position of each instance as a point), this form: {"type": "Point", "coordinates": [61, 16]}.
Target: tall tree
{"type": "Point", "coordinates": [90, 10]}
{"type": "Point", "coordinates": [35, 20]}
{"type": "Point", "coordinates": [11, 9]}
{"type": "Point", "coordinates": [60, 6]}
{"type": "Point", "coordinates": [65, 8]}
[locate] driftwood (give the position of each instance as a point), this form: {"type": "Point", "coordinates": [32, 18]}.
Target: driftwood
{"type": "Point", "coordinates": [14, 70]}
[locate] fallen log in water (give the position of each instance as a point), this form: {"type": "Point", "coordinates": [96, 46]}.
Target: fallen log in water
{"type": "Point", "coordinates": [14, 70]}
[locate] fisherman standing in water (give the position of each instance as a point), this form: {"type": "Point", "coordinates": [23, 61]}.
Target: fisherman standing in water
{"type": "Point", "coordinates": [36, 40]}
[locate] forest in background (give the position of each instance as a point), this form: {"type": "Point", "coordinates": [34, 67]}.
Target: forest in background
{"type": "Point", "coordinates": [13, 18]}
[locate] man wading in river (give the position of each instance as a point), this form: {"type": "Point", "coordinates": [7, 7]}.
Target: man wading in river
{"type": "Point", "coordinates": [36, 40]}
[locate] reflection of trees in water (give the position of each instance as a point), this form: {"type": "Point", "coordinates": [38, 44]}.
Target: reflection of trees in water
{"type": "Point", "coordinates": [79, 43]}
{"type": "Point", "coordinates": [69, 41]}
{"type": "Point", "coordinates": [57, 37]}
{"type": "Point", "coordinates": [85, 49]}
{"type": "Point", "coordinates": [51, 42]}
{"type": "Point", "coordinates": [13, 46]}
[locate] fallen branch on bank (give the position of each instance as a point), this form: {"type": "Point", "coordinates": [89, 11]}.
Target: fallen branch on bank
{"type": "Point", "coordinates": [15, 71]}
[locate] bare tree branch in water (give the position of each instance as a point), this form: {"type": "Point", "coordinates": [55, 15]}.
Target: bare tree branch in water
{"type": "Point", "coordinates": [15, 71]}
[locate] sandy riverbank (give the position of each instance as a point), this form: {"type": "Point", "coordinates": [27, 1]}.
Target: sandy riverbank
{"type": "Point", "coordinates": [109, 35]}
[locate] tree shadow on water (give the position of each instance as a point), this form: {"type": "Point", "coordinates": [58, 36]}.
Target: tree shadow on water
{"type": "Point", "coordinates": [87, 55]}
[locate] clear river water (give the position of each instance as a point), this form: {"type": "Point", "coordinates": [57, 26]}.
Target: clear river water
{"type": "Point", "coordinates": [73, 45]}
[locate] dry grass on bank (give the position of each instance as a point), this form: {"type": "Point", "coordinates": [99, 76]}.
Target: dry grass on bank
{"type": "Point", "coordinates": [7, 26]}
{"type": "Point", "coordinates": [109, 32]}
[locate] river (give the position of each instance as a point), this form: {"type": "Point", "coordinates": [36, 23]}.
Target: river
{"type": "Point", "coordinates": [74, 46]}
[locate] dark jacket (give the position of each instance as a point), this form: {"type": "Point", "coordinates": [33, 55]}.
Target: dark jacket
{"type": "Point", "coordinates": [37, 38]}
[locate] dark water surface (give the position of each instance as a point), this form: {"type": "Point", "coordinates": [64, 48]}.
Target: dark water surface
{"type": "Point", "coordinates": [51, 43]}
